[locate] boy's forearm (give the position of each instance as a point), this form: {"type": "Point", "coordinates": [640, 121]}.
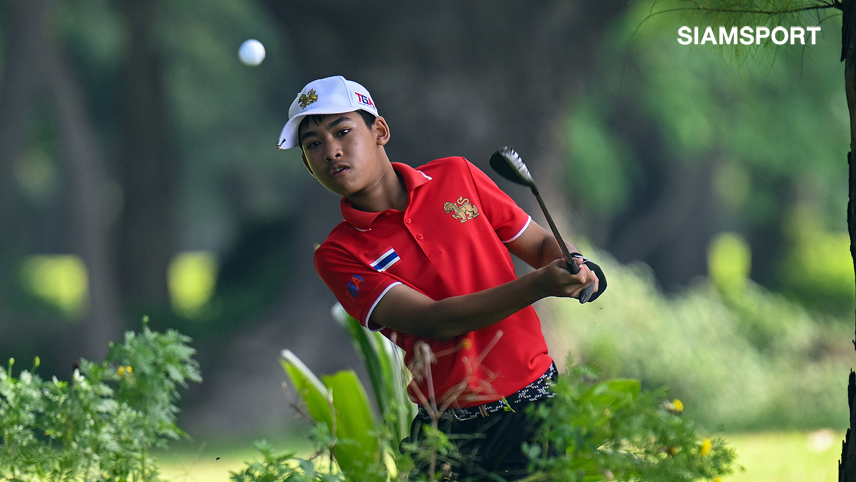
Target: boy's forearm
{"type": "Point", "coordinates": [551, 251]}
{"type": "Point", "coordinates": [403, 309]}
{"type": "Point", "coordinates": [455, 316]}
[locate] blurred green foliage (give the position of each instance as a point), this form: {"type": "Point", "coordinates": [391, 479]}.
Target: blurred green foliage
{"type": "Point", "coordinates": [225, 116]}
{"type": "Point", "coordinates": [58, 280]}
{"type": "Point", "coordinates": [61, 282]}
{"type": "Point", "coordinates": [817, 270]}
{"type": "Point", "coordinates": [103, 423]}
{"type": "Point", "coordinates": [739, 359]}
{"type": "Point", "coordinates": [192, 276]}
{"type": "Point", "coordinates": [226, 113]}
{"type": "Point", "coordinates": [773, 123]}
{"type": "Point", "coordinates": [729, 262]}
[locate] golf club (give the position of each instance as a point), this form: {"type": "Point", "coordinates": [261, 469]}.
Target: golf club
{"type": "Point", "coordinates": [508, 164]}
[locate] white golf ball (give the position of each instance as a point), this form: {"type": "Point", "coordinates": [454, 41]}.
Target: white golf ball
{"type": "Point", "coordinates": [252, 52]}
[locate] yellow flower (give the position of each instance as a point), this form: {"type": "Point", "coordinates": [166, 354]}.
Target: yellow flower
{"type": "Point", "coordinates": [675, 407]}
{"type": "Point", "coordinates": [129, 370]}
{"type": "Point", "coordinates": [706, 447]}
{"type": "Point", "coordinates": [717, 479]}
{"type": "Point", "coordinates": [120, 371]}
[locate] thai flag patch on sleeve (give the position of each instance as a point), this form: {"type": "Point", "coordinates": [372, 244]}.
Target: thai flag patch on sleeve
{"type": "Point", "coordinates": [385, 261]}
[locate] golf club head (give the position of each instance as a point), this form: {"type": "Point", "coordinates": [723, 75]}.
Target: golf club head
{"type": "Point", "coordinates": [508, 164]}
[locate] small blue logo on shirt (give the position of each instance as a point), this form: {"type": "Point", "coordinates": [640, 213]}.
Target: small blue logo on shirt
{"type": "Point", "coordinates": [355, 286]}
{"type": "Point", "coordinates": [385, 261]}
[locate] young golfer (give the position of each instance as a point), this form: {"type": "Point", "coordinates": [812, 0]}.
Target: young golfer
{"type": "Point", "coordinates": [423, 255]}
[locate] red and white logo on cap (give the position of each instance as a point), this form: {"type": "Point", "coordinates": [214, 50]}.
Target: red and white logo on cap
{"type": "Point", "coordinates": [364, 99]}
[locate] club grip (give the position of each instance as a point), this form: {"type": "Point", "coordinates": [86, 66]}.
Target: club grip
{"type": "Point", "coordinates": [574, 269]}
{"type": "Point", "coordinates": [586, 294]}
{"type": "Point", "coordinates": [572, 266]}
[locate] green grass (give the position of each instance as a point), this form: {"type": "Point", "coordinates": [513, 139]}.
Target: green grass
{"type": "Point", "coordinates": [764, 457]}
{"type": "Point", "coordinates": [213, 460]}
{"type": "Point", "coordinates": [786, 457]}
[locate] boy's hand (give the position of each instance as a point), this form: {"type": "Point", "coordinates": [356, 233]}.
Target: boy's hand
{"type": "Point", "coordinates": [555, 279]}
{"type": "Point", "coordinates": [590, 295]}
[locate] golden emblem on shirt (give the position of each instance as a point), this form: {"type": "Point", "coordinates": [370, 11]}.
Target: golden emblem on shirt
{"type": "Point", "coordinates": [307, 98]}
{"type": "Point", "coordinates": [461, 209]}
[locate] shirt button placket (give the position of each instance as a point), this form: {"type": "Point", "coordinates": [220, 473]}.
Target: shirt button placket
{"type": "Point", "coordinates": [409, 221]}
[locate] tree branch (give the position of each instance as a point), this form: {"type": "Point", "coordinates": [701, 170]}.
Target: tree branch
{"type": "Point", "coordinates": [822, 6]}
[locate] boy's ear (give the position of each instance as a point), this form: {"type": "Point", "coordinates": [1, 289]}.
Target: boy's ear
{"type": "Point", "coordinates": [306, 163]}
{"type": "Point", "coordinates": [381, 130]}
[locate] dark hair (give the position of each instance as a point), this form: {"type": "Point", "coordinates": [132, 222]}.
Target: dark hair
{"type": "Point", "coordinates": [368, 118]}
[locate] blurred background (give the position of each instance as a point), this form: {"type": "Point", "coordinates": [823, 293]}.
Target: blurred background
{"type": "Point", "coordinates": [139, 176]}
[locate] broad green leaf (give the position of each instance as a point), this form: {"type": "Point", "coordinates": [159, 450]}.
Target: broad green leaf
{"type": "Point", "coordinates": [357, 450]}
{"type": "Point", "coordinates": [354, 425]}
{"type": "Point", "coordinates": [386, 373]}
{"type": "Point", "coordinates": [368, 350]}
{"type": "Point", "coordinates": [314, 394]}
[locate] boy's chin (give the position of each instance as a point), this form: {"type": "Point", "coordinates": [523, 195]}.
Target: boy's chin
{"type": "Point", "coordinates": [338, 190]}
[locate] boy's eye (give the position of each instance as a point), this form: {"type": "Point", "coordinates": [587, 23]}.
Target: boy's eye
{"type": "Point", "coordinates": [344, 131]}
{"type": "Point", "coordinates": [312, 144]}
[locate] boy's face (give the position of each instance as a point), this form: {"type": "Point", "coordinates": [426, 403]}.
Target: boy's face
{"type": "Point", "coordinates": [343, 153]}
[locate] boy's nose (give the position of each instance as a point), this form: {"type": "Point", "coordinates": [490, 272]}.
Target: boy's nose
{"type": "Point", "coordinates": [334, 151]}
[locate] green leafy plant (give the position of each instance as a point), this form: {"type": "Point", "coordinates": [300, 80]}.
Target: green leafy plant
{"type": "Point", "coordinates": [281, 467]}
{"type": "Point", "coordinates": [340, 403]}
{"type": "Point", "coordinates": [386, 371]}
{"type": "Point", "coordinates": [102, 423]}
{"type": "Point", "coordinates": [603, 430]}
{"type": "Point", "coordinates": [592, 430]}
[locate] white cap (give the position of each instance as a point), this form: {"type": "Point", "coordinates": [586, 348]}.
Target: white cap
{"type": "Point", "coordinates": [332, 95]}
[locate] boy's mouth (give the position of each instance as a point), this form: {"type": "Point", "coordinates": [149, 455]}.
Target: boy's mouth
{"type": "Point", "coordinates": [338, 169]}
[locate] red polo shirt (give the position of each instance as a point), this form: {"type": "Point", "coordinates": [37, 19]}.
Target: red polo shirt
{"type": "Point", "coordinates": [448, 242]}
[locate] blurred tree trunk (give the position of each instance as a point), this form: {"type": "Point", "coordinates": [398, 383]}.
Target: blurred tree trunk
{"type": "Point", "coordinates": [147, 165]}
{"type": "Point", "coordinates": [847, 465]}
{"type": "Point", "coordinates": [19, 78]}
{"type": "Point", "coordinates": [38, 67]}
{"type": "Point", "coordinates": [92, 223]}
{"type": "Point", "coordinates": [127, 267]}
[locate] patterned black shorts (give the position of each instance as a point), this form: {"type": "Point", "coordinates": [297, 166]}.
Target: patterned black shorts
{"type": "Point", "coordinates": [537, 390]}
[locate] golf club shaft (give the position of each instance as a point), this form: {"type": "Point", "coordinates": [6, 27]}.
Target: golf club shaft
{"type": "Point", "coordinates": [509, 165]}
{"type": "Point", "coordinates": [572, 266]}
